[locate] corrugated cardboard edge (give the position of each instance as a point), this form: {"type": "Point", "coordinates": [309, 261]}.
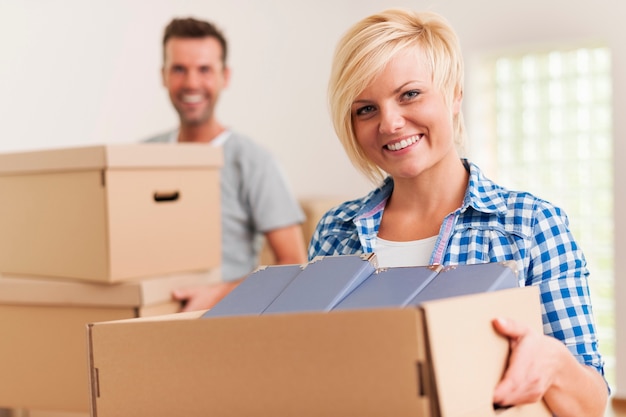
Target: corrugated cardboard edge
{"type": "Point", "coordinates": [16, 289]}
{"type": "Point", "coordinates": [152, 155]}
{"type": "Point", "coordinates": [94, 390]}
{"type": "Point", "coordinates": [143, 155]}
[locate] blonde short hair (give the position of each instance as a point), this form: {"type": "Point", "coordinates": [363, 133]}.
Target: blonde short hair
{"type": "Point", "coordinates": [367, 47]}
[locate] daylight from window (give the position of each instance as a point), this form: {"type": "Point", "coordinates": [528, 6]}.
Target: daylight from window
{"type": "Point", "coordinates": [552, 135]}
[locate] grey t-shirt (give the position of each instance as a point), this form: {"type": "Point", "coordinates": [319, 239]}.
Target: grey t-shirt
{"type": "Point", "coordinates": [256, 198]}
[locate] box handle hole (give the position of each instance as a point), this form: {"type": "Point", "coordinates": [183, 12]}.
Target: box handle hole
{"type": "Point", "coordinates": [165, 196]}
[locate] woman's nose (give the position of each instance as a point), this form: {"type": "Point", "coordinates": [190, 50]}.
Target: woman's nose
{"type": "Point", "coordinates": [391, 120]}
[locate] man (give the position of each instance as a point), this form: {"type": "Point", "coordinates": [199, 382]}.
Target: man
{"type": "Point", "coordinates": [256, 200]}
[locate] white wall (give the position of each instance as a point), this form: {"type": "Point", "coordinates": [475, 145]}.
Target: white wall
{"type": "Point", "coordinates": [78, 72]}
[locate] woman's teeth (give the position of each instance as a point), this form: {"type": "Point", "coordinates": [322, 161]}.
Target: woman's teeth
{"type": "Point", "coordinates": [403, 143]}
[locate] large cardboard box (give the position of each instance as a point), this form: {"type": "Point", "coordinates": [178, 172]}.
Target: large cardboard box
{"type": "Point", "coordinates": [442, 358]}
{"type": "Point", "coordinates": [110, 213]}
{"type": "Point", "coordinates": [43, 351]}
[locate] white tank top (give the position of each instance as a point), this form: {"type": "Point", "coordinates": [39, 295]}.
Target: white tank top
{"type": "Point", "coordinates": [411, 253]}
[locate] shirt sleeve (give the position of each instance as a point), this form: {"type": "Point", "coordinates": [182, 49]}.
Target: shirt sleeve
{"type": "Point", "coordinates": [559, 268]}
{"type": "Point", "coordinates": [272, 203]}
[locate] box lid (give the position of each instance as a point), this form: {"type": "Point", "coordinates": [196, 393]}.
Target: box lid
{"type": "Point", "coordinates": [18, 289]}
{"type": "Point", "coordinates": [141, 155]}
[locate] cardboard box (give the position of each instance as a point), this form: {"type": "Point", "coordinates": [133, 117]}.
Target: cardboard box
{"type": "Point", "coordinates": [44, 413]}
{"type": "Point", "coordinates": [43, 353]}
{"type": "Point", "coordinates": [442, 358]}
{"type": "Point", "coordinates": [110, 213]}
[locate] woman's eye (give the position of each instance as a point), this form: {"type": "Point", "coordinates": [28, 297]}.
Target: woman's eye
{"type": "Point", "coordinates": [364, 110]}
{"type": "Point", "coordinates": [411, 94]}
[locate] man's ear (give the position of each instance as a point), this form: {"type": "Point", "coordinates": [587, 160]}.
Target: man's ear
{"type": "Point", "coordinates": [163, 76]}
{"type": "Point", "coordinates": [227, 73]}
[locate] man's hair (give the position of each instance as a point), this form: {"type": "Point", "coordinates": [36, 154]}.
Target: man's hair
{"type": "Point", "coordinates": [364, 51]}
{"type": "Point", "coordinates": [194, 28]}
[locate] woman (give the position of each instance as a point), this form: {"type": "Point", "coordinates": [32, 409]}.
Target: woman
{"type": "Point", "coordinates": [395, 90]}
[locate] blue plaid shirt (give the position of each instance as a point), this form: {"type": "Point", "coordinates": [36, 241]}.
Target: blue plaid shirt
{"type": "Point", "coordinates": [493, 225]}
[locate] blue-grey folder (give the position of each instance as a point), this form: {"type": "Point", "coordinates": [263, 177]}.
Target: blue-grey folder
{"type": "Point", "coordinates": [454, 281]}
{"type": "Point", "coordinates": [256, 292]}
{"type": "Point", "coordinates": [323, 283]}
{"type": "Point", "coordinates": [389, 287]}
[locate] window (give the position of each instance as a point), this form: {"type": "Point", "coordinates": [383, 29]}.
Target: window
{"type": "Point", "coordinates": [550, 132]}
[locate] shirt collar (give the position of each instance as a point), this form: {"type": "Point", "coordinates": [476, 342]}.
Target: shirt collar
{"type": "Point", "coordinates": [219, 140]}
{"type": "Point", "coordinates": [482, 195]}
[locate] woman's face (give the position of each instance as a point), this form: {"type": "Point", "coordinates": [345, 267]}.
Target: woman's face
{"type": "Point", "coordinates": [402, 121]}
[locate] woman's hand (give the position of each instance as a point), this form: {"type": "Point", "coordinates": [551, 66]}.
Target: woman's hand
{"type": "Point", "coordinates": [534, 364]}
{"type": "Point", "coordinates": [541, 367]}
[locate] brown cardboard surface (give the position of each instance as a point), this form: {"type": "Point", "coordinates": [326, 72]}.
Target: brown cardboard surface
{"type": "Point", "coordinates": [140, 155]}
{"type": "Point", "coordinates": [42, 356]}
{"type": "Point", "coordinates": [43, 353]}
{"type": "Point", "coordinates": [457, 348]}
{"type": "Point", "coordinates": [324, 365]}
{"type": "Point", "coordinates": [41, 413]}
{"type": "Point", "coordinates": [343, 363]}
{"type": "Point", "coordinates": [16, 289]}
{"type": "Point", "coordinates": [108, 223]}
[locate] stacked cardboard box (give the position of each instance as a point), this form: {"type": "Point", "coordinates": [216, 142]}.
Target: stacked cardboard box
{"type": "Point", "coordinates": [89, 234]}
{"type": "Point", "coordinates": [288, 342]}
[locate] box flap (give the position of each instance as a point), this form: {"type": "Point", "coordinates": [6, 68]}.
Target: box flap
{"type": "Point", "coordinates": [142, 155]}
{"type": "Point", "coordinates": [462, 367]}
{"type": "Point", "coordinates": [19, 289]}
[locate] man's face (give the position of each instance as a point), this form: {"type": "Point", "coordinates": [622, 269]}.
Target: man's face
{"type": "Point", "coordinates": [194, 75]}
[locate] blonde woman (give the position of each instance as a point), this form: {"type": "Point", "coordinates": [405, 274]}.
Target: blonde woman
{"type": "Point", "coordinates": [395, 92]}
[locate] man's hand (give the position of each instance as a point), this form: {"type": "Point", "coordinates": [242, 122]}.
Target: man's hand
{"type": "Point", "coordinates": [203, 297]}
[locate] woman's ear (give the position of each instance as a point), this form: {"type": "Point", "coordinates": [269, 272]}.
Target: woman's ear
{"type": "Point", "coordinates": [456, 103]}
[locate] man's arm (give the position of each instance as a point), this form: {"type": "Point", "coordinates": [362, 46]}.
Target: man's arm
{"type": "Point", "coordinates": [287, 245]}
{"type": "Point", "coordinates": [205, 296]}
